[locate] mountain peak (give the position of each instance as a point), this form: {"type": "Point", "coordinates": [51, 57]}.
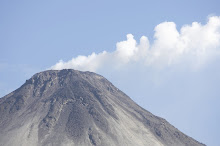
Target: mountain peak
{"type": "Point", "coordinates": [70, 107]}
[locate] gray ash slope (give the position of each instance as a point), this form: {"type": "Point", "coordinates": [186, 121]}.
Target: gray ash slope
{"type": "Point", "coordinates": [70, 107]}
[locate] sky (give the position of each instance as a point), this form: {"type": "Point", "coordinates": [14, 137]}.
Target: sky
{"type": "Point", "coordinates": [164, 54]}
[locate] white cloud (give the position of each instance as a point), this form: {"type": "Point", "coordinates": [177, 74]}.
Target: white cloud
{"type": "Point", "coordinates": [194, 45]}
{"type": "Point", "coordinates": [91, 62]}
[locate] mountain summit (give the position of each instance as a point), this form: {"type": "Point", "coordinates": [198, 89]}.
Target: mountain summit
{"type": "Point", "coordinates": [75, 108]}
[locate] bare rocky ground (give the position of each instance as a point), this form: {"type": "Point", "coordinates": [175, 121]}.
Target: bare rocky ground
{"type": "Point", "coordinates": [73, 108]}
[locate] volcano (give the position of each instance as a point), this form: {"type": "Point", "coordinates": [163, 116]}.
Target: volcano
{"type": "Point", "coordinates": [74, 108]}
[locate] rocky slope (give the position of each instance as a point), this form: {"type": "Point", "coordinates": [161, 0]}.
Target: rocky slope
{"type": "Point", "coordinates": [70, 107]}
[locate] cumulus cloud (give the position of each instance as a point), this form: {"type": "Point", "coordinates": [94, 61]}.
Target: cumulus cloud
{"type": "Point", "coordinates": [194, 44]}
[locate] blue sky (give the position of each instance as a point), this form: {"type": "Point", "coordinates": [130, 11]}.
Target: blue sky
{"type": "Point", "coordinates": [173, 71]}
